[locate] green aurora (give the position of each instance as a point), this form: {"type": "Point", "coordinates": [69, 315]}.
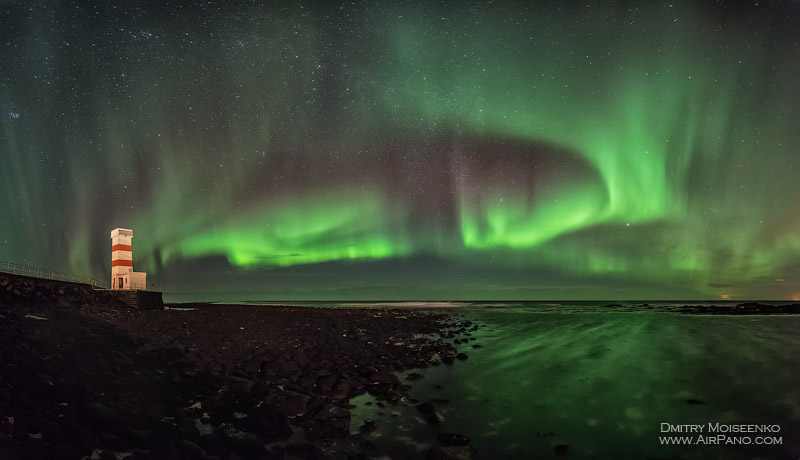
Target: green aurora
{"type": "Point", "coordinates": [631, 150]}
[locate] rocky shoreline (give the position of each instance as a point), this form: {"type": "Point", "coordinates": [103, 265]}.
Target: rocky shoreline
{"type": "Point", "coordinates": [81, 377]}
{"type": "Point", "coordinates": [745, 308]}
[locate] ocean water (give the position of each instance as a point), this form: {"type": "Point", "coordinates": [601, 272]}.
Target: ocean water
{"type": "Point", "coordinates": [607, 383]}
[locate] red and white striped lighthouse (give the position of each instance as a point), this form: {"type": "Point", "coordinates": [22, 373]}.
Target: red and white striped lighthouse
{"type": "Point", "coordinates": [122, 274]}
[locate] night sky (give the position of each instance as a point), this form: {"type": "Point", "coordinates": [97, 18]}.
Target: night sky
{"type": "Point", "coordinates": [407, 150]}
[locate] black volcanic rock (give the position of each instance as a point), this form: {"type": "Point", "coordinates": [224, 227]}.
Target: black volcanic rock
{"type": "Point", "coordinates": [232, 369]}
{"type": "Point", "coordinates": [449, 453]}
{"type": "Point", "coordinates": [295, 406]}
{"type": "Point", "coordinates": [383, 377]}
{"type": "Point", "coordinates": [561, 449]}
{"type": "Point", "coordinates": [98, 414]}
{"type": "Point", "coordinates": [369, 425]}
{"type": "Point", "coordinates": [453, 439]}
{"type": "Point", "coordinates": [426, 408]}
{"type": "Point", "coordinates": [241, 389]}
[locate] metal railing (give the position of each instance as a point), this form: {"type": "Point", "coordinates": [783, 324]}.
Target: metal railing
{"type": "Point", "coordinates": [17, 269]}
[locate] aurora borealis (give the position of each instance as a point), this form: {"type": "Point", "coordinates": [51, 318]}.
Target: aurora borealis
{"type": "Point", "coordinates": [407, 150]}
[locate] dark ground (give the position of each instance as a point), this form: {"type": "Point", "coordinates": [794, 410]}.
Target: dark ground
{"type": "Point", "coordinates": [81, 376]}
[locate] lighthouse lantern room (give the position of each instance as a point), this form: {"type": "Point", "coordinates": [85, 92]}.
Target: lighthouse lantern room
{"type": "Point", "coordinates": [122, 274]}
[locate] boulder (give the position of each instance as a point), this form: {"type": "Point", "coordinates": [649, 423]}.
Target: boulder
{"type": "Point", "coordinates": [383, 377]}
{"type": "Point", "coordinates": [453, 439]}
{"type": "Point", "coordinates": [449, 453]}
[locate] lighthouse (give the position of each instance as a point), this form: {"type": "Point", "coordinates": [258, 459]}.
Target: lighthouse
{"type": "Point", "coordinates": [122, 274]}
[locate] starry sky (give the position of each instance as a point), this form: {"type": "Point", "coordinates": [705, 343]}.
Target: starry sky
{"type": "Point", "coordinates": [407, 149]}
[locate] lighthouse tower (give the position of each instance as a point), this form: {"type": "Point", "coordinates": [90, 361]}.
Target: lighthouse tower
{"type": "Point", "coordinates": [122, 274]}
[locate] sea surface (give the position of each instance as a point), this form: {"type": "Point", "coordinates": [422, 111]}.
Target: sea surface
{"type": "Point", "coordinates": [581, 380]}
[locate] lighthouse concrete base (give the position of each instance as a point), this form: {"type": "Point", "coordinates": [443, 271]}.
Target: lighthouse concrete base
{"type": "Point", "coordinates": [140, 300]}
